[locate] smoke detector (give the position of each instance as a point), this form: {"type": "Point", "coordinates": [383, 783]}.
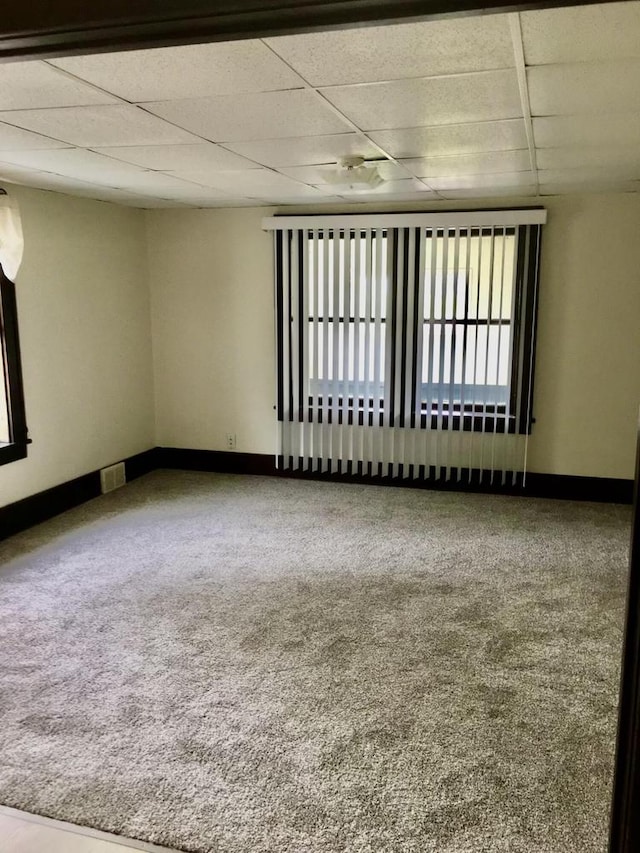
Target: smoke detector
{"type": "Point", "coordinates": [351, 173]}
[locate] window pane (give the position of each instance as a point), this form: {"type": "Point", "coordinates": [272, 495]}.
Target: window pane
{"type": "Point", "coordinates": [372, 287]}
{"type": "Point", "coordinates": [491, 273]}
{"type": "Point", "coordinates": [469, 361]}
{"type": "Point", "coordinates": [488, 355]}
{"type": "Point", "coordinates": [356, 367]}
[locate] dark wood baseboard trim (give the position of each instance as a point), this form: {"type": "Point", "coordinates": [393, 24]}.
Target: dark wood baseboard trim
{"type": "Point", "coordinates": [222, 461]}
{"type": "Point", "coordinates": [141, 464]}
{"type": "Point", "coordinates": [37, 508]}
{"type": "Point", "coordinates": [42, 506]}
{"type": "Point", "coordinates": [563, 487]}
{"type": "Point", "coordinates": [30, 511]}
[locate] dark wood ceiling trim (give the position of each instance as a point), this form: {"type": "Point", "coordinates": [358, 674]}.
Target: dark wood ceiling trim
{"type": "Point", "coordinates": [43, 28]}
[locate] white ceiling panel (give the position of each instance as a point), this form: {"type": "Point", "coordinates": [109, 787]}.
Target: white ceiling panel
{"type": "Point", "coordinates": [204, 155]}
{"type": "Point", "coordinates": [199, 70]}
{"type": "Point", "coordinates": [590, 187]}
{"type": "Point", "coordinates": [66, 184]}
{"type": "Point", "coordinates": [167, 186]}
{"type": "Point", "coordinates": [247, 182]}
{"type": "Point", "coordinates": [488, 183]}
{"type": "Point", "coordinates": [452, 139]}
{"type": "Point", "coordinates": [470, 164]}
{"type": "Point", "coordinates": [434, 101]}
{"type": "Point", "coordinates": [315, 174]}
{"type": "Point", "coordinates": [148, 203]}
{"type": "Point", "coordinates": [311, 197]}
{"type": "Point", "coordinates": [217, 203]}
{"type": "Point", "coordinates": [92, 127]}
{"type": "Point", "coordinates": [72, 162]}
{"type": "Point", "coordinates": [14, 174]}
{"type": "Point", "coordinates": [590, 175]}
{"type": "Point", "coordinates": [602, 156]}
{"type": "Point", "coordinates": [399, 192]}
{"type": "Point", "coordinates": [609, 130]}
{"type": "Point", "coordinates": [270, 115]}
{"type": "Point", "coordinates": [585, 87]}
{"type": "Point", "coordinates": [35, 85]}
{"type": "Point", "coordinates": [305, 151]}
{"type": "Point", "coordinates": [408, 186]}
{"type": "Point", "coordinates": [493, 192]}
{"type": "Point", "coordinates": [15, 139]}
{"type": "Point", "coordinates": [394, 52]}
{"type": "Point", "coordinates": [581, 33]}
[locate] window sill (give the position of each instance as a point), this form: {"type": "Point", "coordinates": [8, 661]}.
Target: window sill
{"type": "Point", "coordinates": [12, 452]}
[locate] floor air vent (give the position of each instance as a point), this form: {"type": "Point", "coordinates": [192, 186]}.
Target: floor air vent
{"type": "Point", "coordinates": [112, 477]}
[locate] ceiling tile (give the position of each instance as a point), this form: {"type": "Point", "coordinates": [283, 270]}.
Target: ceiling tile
{"type": "Point", "coordinates": [204, 155]}
{"type": "Point", "coordinates": [229, 201]}
{"type": "Point", "coordinates": [486, 182]}
{"type": "Point", "coordinates": [312, 197]}
{"type": "Point", "coordinates": [305, 150]}
{"type": "Point", "coordinates": [62, 183]}
{"type": "Point", "coordinates": [610, 129]}
{"type": "Point", "coordinates": [14, 174]}
{"type": "Point", "coordinates": [494, 192]}
{"type": "Point", "coordinates": [452, 139]}
{"type": "Point", "coordinates": [587, 87]}
{"type": "Point", "coordinates": [254, 183]}
{"type": "Point", "coordinates": [439, 100]}
{"type": "Point", "coordinates": [590, 175]}
{"type": "Point", "coordinates": [193, 71]}
{"type": "Point", "coordinates": [399, 193]}
{"type": "Point", "coordinates": [570, 157]}
{"type": "Point", "coordinates": [315, 174]}
{"type": "Point", "coordinates": [168, 186]}
{"type": "Point", "coordinates": [229, 118]}
{"type": "Point", "coordinates": [15, 139]}
{"type": "Point", "coordinates": [408, 186]}
{"type": "Point", "coordinates": [72, 162]}
{"type": "Point", "coordinates": [470, 164]}
{"type": "Point", "coordinates": [589, 187]}
{"type": "Point", "coordinates": [394, 52]}
{"type": "Point", "coordinates": [34, 85]}
{"type": "Point", "coordinates": [581, 33]}
{"type": "Point", "coordinates": [148, 203]}
{"type": "Point", "coordinates": [91, 127]}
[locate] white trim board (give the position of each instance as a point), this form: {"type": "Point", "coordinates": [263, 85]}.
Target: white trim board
{"type": "Point", "coordinates": [449, 219]}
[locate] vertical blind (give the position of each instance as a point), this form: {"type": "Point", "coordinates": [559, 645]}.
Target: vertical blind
{"type": "Point", "coordinates": [406, 343]}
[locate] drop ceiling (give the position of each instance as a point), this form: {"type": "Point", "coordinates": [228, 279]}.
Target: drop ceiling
{"type": "Point", "coordinates": [532, 104]}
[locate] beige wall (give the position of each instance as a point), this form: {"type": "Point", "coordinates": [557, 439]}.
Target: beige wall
{"type": "Point", "coordinates": [84, 324]}
{"type": "Point", "coordinates": [211, 275]}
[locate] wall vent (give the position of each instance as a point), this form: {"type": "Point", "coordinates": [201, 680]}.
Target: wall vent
{"type": "Point", "coordinates": [112, 477]}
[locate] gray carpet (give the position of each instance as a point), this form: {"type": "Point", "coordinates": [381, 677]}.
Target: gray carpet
{"type": "Point", "coordinates": [255, 665]}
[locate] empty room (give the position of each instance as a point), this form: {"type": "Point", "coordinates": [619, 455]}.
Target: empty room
{"type": "Point", "coordinates": [318, 424]}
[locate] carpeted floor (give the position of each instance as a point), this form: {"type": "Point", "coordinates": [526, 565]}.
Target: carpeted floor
{"type": "Point", "coordinates": [260, 665]}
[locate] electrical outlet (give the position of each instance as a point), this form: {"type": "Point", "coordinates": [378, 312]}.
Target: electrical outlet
{"type": "Point", "coordinates": [231, 441]}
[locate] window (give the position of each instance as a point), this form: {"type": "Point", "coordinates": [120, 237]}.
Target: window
{"type": "Point", "coordinates": [13, 431]}
{"type": "Point", "coordinates": [407, 323]}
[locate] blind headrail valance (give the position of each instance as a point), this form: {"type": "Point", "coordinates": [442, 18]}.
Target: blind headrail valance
{"type": "Point", "coordinates": [438, 219]}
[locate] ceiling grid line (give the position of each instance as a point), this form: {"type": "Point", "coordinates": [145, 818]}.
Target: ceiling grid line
{"type": "Point", "coordinates": [515, 25]}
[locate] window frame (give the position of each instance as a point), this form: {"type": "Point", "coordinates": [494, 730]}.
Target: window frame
{"type": "Point", "coordinates": [474, 415]}
{"type": "Point", "coordinates": [11, 365]}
